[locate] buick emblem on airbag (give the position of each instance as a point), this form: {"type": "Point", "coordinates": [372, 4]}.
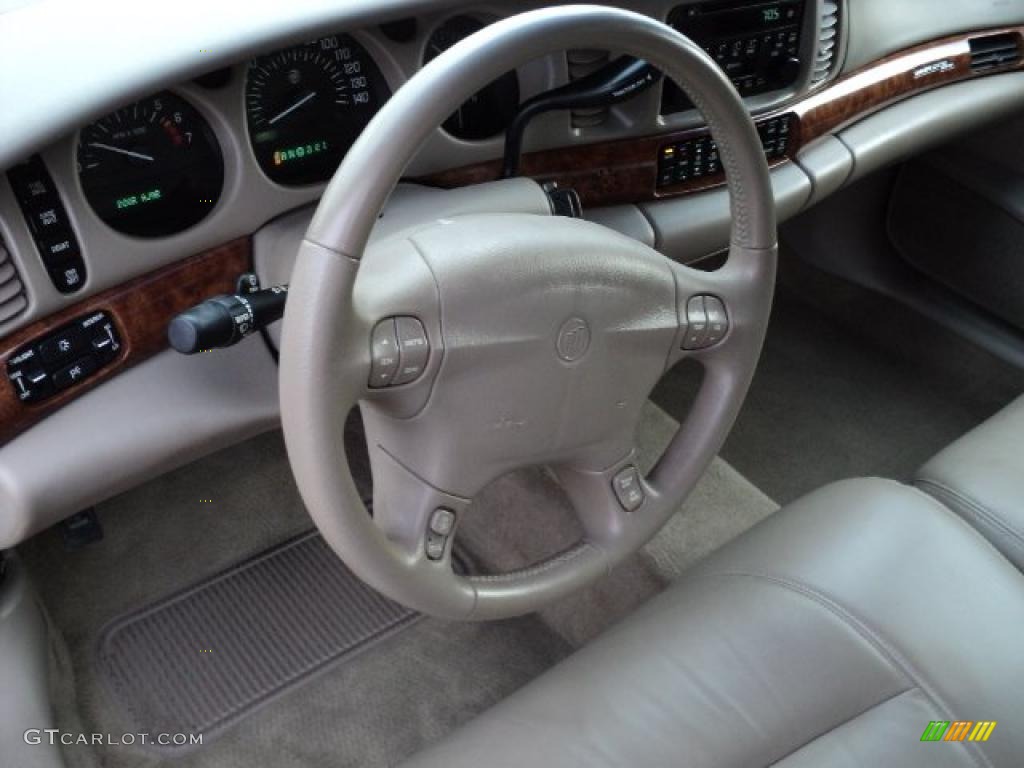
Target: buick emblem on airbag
{"type": "Point", "coordinates": [573, 339]}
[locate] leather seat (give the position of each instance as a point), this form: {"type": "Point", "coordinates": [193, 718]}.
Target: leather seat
{"type": "Point", "coordinates": [831, 634]}
{"type": "Point", "coordinates": [981, 478]}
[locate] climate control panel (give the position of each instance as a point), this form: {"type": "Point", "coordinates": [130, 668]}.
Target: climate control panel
{"type": "Point", "coordinates": [696, 158]}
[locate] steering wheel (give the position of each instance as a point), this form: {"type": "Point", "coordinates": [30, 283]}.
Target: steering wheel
{"type": "Point", "coordinates": [484, 343]}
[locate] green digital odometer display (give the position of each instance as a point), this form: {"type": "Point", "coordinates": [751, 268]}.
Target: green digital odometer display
{"type": "Point", "coordinates": [152, 168]}
{"type": "Point", "coordinates": [306, 105]}
{"type": "Point", "coordinates": [143, 197]}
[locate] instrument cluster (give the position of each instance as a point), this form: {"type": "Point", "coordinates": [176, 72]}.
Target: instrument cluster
{"type": "Point", "coordinates": [152, 168]}
{"type": "Point", "coordinates": [156, 167]}
{"type": "Point", "coordinates": [306, 105]}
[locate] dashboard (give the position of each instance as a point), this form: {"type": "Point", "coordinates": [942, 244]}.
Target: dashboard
{"type": "Point", "coordinates": [131, 193]}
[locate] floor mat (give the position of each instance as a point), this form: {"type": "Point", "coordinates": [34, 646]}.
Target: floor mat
{"type": "Point", "coordinates": [370, 711]}
{"type": "Point", "coordinates": [199, 660]}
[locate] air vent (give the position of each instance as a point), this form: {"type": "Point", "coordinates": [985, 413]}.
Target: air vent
{"type": "Point", "coordinates": [12, 292]}
{"type": "Point", "coordinates": [994, 51]}
{"type": "Point", "coordinates": [828, 39]}
{"type": "Point", "coordinates": [582, 63]}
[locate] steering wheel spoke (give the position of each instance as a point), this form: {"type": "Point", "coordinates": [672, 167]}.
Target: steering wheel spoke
{"type": "Point", "coordinates": [418, 518]}
{"type": "Point", "coordinates": [610, 503]}
{"type": "Point", "coordinates": [724, 307]}
{"type": "Point", "coordinates": [604, 500]}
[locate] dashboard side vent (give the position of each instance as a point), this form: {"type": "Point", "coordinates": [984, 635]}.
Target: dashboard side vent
{"type": "Point", "coordinates": [828, 39]}
{"type": "Point", "coordinates": [582, 63]}
{"type": "Point", "coordinates": [12, 291]}
{"type": "Point", "coordinates": [994, 51]}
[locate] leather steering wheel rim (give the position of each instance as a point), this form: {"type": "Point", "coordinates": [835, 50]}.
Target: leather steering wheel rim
{"type": "Point", "coordinates": [333, 306]}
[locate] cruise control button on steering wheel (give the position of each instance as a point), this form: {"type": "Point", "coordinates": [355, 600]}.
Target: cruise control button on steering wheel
{"type": "Point", "coordinates": [399, 350]}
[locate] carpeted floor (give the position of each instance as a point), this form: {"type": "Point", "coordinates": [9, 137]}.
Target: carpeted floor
{"type": "Point", "coordinates": [391, 699]}
{"type": "Point", "coordinates": [369, 711]}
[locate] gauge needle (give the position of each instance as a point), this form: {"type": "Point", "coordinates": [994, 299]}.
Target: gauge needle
{"type": "Point", "coordinates": [109, 148]}
{"type": "Point", "coordinates": [293, 107]}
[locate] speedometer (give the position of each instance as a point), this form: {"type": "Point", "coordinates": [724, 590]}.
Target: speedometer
{"type": "Point", "coordinates": [306, 105]}
{"type": "Point", "coordinates": [152, 168]}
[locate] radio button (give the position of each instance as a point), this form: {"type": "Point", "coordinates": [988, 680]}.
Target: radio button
{"type": "Point", "coordinates": [413, 348]}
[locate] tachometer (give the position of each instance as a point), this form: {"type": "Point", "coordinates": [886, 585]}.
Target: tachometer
{"type": "Point", "coordinates": [152, 168]}
{"type": "Point", "coordinates": [306, 105]}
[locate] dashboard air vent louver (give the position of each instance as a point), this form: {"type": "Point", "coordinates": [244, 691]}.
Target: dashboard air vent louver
{"type": "Point", "coordinates": [12, 292]}
{"type": "Point", "coordinates": [994, 51]}
{"type": "Point", "coordinates": [582, 63]}
{"type": "Point", "coordinates": [828, 39]}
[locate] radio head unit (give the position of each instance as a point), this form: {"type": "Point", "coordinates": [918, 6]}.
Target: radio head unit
{"type": "Point", "coordinates": [757, 44]}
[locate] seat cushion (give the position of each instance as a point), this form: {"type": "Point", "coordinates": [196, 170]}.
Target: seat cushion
{"type": "Point", "coordinates": [981, 478]}
{"type": "Point", "coordinates": [832, 633]}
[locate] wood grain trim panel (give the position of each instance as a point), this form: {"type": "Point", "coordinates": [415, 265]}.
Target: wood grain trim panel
{"type": "Point", "coordinates": [140, 309]}
{"type": "Point", "coordinates": [893, 78]}
{"type": "Point", "coordinates": [625, 170]}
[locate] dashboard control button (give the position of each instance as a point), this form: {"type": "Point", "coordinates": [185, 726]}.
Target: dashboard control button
{"type": "Point", "coordinates": [413, 348]}
{"type": "Point", "coordinates": [103, 346]}
{"type": "Point", "coordinates": [31, 384]}
{"type": "Point", "coordinates": [698, 157]}
{"type": "Point", "coordinates": [42, 208]}
{"type": "Point", "coordinates": [627, 488]}
{"type": "Point", "coordinates": [59, 246]}
{"type": "Point", "coordinates": [63, 358]}
{"type": "Point", "coordinates": [31, 182]}
{"type": "Point", "coordinates": [101, 335]}
{"type": "Point", "coordinates": [74, 373]}
{"type": "Point", "coordinates": [384, 354]}
{"type": "Point", "coordinates": [38, 383]}
{"type": "Point", "coordinates": [45, 216]}
{"type": "Point", "coordinates": [62, 346]}
{"type": "Point", "coordinates": [67, 274]}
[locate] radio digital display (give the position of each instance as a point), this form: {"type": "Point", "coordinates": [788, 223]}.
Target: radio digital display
{"type": "Point", "coordinates": [756, 44]}
{"type": "Point", "coordinates": [726, 20]}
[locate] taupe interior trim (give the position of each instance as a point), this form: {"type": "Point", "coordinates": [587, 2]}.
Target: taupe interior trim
{"type": "Point", "coordinates": [509, 384]}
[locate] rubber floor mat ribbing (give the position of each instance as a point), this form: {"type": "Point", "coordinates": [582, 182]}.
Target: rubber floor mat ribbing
{"type": "Point", "coordinates": [198, 660]}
